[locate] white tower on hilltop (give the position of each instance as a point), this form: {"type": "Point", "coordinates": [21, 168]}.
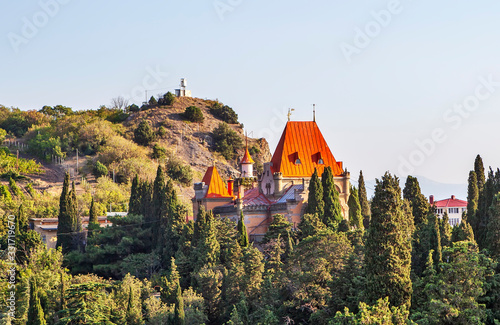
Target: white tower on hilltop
{"type": "Point", "coordinates": [183, 92]}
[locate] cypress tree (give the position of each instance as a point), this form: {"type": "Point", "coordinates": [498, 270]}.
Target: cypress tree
{"type": "Point", "coordinates": [479, 170]}
{"type": "Point", "coordinates": [179, 316]}
{"type": "Point", "coordinates": [35, 311]}
{"type": "Point", "coordinates": [173, 222]}
{"type": "Point", "coordinates": [242, 232]}
{"type": "Point", "coordinates": [363, 200]}
{"type": "Point", "coordinates": [493, 232]}
{"type": "Point", "coordinates": [315, 203]}
{"type": "Point", "coordinates": [463, 232]}
{"type": "Point", "coordinates": [472, 197]}
{"type": "Point", "coordinates": [93, 213]}
{"type": "Point", "coordinates": [64, 218]}
{"type": "Point", "coordinates": [128, 314]}
{"type": "Point", "coordinates": [445, 230]}
{"type": "Point", "coordinates": [76, 222]}
{"type": "Point", "coordinates": [418, 202]}
{"type": "Point", "coordinates": [333, 209]}
{"type": "Point", "coordinates": [355, 217]}
{"type": "Point", "coordinates": [146, 189]}
{"type": "Point", "coordinates": [433, 238]}
{"type": "Point", "coordinates": [134, 205]}
{"type": "Point", "coordinates": [159, 206]}
{"type": "Point", "coordinates": [93, 221]}
{"type": "Point", "coordinates": [207, 246]}
{"type": "Point", "coordinates": [389, 239]}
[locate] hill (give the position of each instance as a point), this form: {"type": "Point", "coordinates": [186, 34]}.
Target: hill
{"type": "Point", "coordinates": [107, 144]}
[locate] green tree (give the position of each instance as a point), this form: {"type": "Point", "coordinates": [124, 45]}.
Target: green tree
{"type": "Point", "coordinates": [179, 316]}
{"type": "Point", "coordinates": [333, 210]}
{"type": "Point", "coordinates": [453, 293]}
{"type": "Point", "coordinates": [64, 228]}
{"type": "Point", "coordinates": [207, 249]}
{"type": "Point", "coordinates": [363, 200]}
{"type": "Point", "coordinates": [242, 232]}
{"type": "Point", "coordinates": [93, 220]}
{"type": "Point", "coordinates": [463, 232]}
{"type": "Point", "coordinates": [226, 141]}
{"type": "Point", "coordinates": [315, 203]}
{"type": "Point", "coordinates": [445, 230]}
{"type": "Point", "coordinates": [144, 134]}
{"type": "Point", "coordinates": [194, 114]}
{"type": "Point", "coordinates": [224, 112]}
{"type": "Point", "coordinates": [100, 170]}
{"type": "Point", "coordinates": [310, 225]}
{"type": "Point", "coordinates": [355, 217]}
{"type": "Point", "coordinates": [153, 102]}
{"type": "Point", "coordinates": [493, 232]}
{"type": "Point", "coordinates": [472, 199]}
{"type": "Point", "coordinates": [279, 226]}
{"type": "Point", "coordinates": [479, 170]}
{"type": "Point", "coordinates": [380, 313]}
{"type": "Point", "coordinates": [134, 204]}
{"type": "Point", "coordinates": [418, 203]}
{"type": "Point", "coordinates": [35, 311]}
{"type": "Point", "coordinates": [388, 239]}
{"type": "Point", "coordinates": [168, 99]}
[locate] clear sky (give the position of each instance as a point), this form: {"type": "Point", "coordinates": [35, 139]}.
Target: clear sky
{"type": "Point", "coordinates": [406, 86]}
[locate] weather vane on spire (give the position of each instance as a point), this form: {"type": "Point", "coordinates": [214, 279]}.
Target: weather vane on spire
{"type": "Point", "coordinates": [290, 110]}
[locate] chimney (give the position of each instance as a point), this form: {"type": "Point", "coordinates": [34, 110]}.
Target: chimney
{"type": "Point", "coordinates": [230, 184]}
{"type": "Point", "coordinates": [431, 199]}
{"type": "Point", "coordinates": [453, 197]}
{"type": "Point", "coordinates": [241, 190]}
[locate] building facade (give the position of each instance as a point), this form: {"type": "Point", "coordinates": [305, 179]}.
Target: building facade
{"type": "Point", "coordinates": [453, 206]}
{"type": "Point", "coordinates": [282, 188]}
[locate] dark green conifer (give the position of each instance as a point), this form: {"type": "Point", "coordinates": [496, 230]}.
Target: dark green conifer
{"type": "Point", "coordinates": [445, 230]}
{"type": "Point", "coordinates": [355, 217]}
{"type": "Point", "coordinates": [179, 316]}
{"type": "Point", "coordinates": [64, 228]}
{"type": "Point", "coordinates": [479, 170]}
{"type": "Point", "coordinates": [310, 225]}
{"type": "Point", "coordinates": [332, 210]}
{"type": "Point", "coordinates": [493, 232]}
{"type": "Point", "coordinates": [315, 203]}
{"type": "Point", "coordinates": [463, 232]}
{"type": "Point", "coordinates": [242, 232]}
{"type": "Point", "coordinates": [93, 221]}
{"type": "Point", "coordinates": [363, 200]}
{"type": "Point", "coordinates": [388, 239]}
{"type": "Point", "coordinates": [418, 202]}
{"type": "Point", "coordinates": [134, 205]}
{"type": "Point", "coordinates": [472, 197]}
{"type": "Point", "coordinates": [35, 311]}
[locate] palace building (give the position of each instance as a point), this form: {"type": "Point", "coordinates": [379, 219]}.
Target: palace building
{"type": "Point", "coordinates": [282, 188]}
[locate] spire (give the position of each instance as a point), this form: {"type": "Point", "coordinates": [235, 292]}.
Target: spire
{"type": "Point", "coordinates": [314, 112]}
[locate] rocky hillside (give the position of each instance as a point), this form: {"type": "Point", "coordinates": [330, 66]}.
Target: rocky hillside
{"type": "Point", "coordinates": [193, 142]}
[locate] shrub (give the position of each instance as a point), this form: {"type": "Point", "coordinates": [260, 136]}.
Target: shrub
{"type": "Point", "coordinates": [134, 108]}
{"type": "Point", "coordinates": [159, 152]}
{"type": "Point", "coordinates": [5, 193]}
{"type": "Point", "coordinates": [15, 189]}
{"type": "Point", "coordinates": [144, 134]}
{"type": "Point", "coordinates": [226, 141]}
{"type": "Point", "coordinates": [118, 148]}
{"type": "Point", "coordinates": [162, 132]}
{"type": "Point", "coordinates": [224, 113]}
{"type": "Point", "coordinates": [167, 99]}
{"type": "Point", "coordinates": [152, 102]}
{"type": "Point", "coordinates": [179, 172]}
{"type": "Point", "coordinates": [44, 144]}
{"type": "Point", "coordinates": [194, 114]}
{"type": "Point", "coordinates": [100, 170]}
{"type": "Point", "coordinates": [126, 169]}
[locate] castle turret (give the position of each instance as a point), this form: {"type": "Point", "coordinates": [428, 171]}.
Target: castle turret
{"type": "Point", "coordinates": [247, 164]}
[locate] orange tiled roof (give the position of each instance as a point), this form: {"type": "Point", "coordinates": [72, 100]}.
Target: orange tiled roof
{"type": "Point", "coordinates": [247, 159]}
{"type": "Point", "coordinates": [303, 141]}
{"type": "Point", "coordinates": [216, 187]}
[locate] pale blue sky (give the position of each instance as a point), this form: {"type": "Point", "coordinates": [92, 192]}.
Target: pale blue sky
{"type": "Point", "coordinates": [266, 56]}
